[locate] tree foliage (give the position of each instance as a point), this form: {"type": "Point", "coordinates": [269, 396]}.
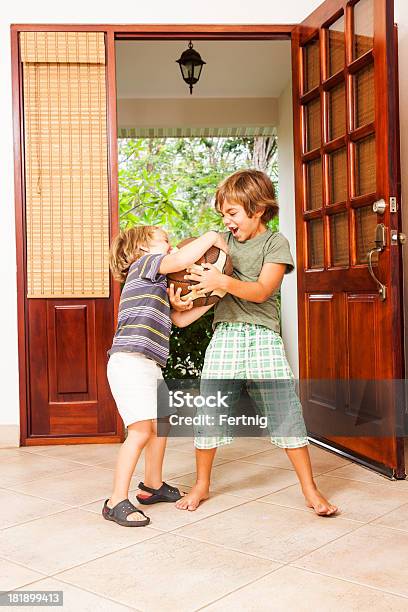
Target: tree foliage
{"type": "Point", "coordinates": [171, 182]}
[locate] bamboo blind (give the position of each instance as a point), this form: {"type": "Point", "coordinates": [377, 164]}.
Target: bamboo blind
{"type": "Point", "coordinates": [338, 176]}
{"type": "Point", "coordinates": [66, 165]}
{"type": "Point", "coordinates": [365, 166]}
{"type": "Point", "coordinates": [313, 124]}
{"type": "Point", "coordinates": [311, 65]}
{"type": "Point", "coordinates": [363, 16]}
{"type": "Point", "coordinates": [336, 46]}
{"type": "Point", "coordinates": [337, 110]}
{"type": "Point", "coordinates": [63, 47]}
{"type": "Point", "coordinates": [339, 239]}
{"type": "Point", "coordinates": [314, 184]}
{"type": "Point", "coordinates": [316, 249]}
{"type": "Point", "coordinates": [364, 96]}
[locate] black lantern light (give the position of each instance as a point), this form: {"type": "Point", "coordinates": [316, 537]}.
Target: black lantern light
{"type": "Point", "coordinates": [191, 65]}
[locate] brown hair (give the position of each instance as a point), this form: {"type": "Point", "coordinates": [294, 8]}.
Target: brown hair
{"type": "Point", "coordinates": [252, 189]}
{"type": "Point", "coordinates": [125, 249]}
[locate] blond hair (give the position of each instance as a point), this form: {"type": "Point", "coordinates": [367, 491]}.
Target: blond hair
{"type": "Point", "coordinates": [252, 189]}
{"type": "Point", "coordinates": [125, 249]}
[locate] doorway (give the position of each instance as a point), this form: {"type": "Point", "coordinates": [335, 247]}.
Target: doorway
{"type": "Point", "coordinates": [175, 148]}
{"type": "Point", "coordinates": [328, 301]}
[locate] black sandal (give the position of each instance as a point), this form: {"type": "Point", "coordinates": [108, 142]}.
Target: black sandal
{"type": "Point", "coordinates": [165, 493]}
{"type": "Point", "coordinates": [119, 513]}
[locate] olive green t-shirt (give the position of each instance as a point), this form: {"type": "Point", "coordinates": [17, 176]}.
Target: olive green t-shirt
{"type": "Point", "coordinates": [248, 258]}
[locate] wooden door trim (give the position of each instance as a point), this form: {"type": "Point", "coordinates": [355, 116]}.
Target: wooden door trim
{"type": "Point", "coordinates": [400, 474]}
{"type": "Point", "coordinates": [18, 145]}
{"type": "Point", "coordinates": [112, 33]}
{"type": "Point", "coordinates": [355, 457]}
{"type": "Point", "coordinates": [212, 31]}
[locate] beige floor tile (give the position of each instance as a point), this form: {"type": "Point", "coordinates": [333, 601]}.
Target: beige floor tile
{"type": "Point", "coordinates": [243, 447]}
{"type": "Point", "coordinates": [88, 454]}
{"type": "Point", "coordinates": [372, 555]}
{"type": "Point", "coordinates": [175, 463]}
{"type": "Point", "coordinates": [10, 452]}
{"type": "Point", "coordinates": [13, 576]}
{"type": "Point", "coordinates": [63, 540]}
{"type": "Point", "coordinates": [184, 445]}
{"type": "Point", "coordinates": [240, 447]}
{"type": "Point", "coordinates": [322, 461]}
{"type": "Point", "coordinates": [75, 599]}
{"type": "Point", "coordinates": [27, 467]}
{"type": "Point", "coordinates": [77, 488]}
{"type": "Point", "coordinates": [358, 501]}
{"type": "Point", "coordinates": [397, 519]}
{"type": "Point", "coordinates": [267, 531]}
{"type": "Point", "coordinates": [167, 517]}
{"type": "Point", "coordinates": [289, 588]}
{"type": "Point", "coordinates": [357, 472]}
{"type": "Point", "coordinates": [246, 480]}
{"type": "Point", "coordinates": [16, 508]}
{"type": "Point", "coordinates": [169, 573]}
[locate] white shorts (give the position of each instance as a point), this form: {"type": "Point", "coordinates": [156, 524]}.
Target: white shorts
{"type": "Point", "coordinates": [133, 381]}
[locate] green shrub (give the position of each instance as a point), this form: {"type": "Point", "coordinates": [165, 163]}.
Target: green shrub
{"type": "Point", "coordinates": [187, 348]}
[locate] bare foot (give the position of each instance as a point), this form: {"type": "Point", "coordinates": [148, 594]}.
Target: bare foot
{"type": "Point", "coordinates": [317, 501]}
{"type": "Point", "coordinates": [192, 500]}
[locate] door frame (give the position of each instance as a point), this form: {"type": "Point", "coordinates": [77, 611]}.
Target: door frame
{"type": "Point", "coordinates": [112, 33]}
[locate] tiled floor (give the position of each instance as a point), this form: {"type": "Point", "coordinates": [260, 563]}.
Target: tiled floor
{"type": "Point", "coordinates": [252, 546]}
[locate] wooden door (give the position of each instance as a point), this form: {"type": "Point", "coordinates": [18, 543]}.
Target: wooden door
{"type": "Point", "coordinates": [66, 302]}
{"type": "Point", "coordinates": [346, 157]}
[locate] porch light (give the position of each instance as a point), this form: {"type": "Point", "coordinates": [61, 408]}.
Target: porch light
{"type": "Point", "coordinates": [191, 65]}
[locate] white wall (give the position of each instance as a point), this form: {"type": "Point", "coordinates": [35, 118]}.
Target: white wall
{"type": "Point", "coordinates": [401, 17]}
{"type": "Point", "coordinates": [93, 11]}
{"type": "Point", "coordinates": [287, 225]}
{"type": "Point", "coordinates": [200, 112]}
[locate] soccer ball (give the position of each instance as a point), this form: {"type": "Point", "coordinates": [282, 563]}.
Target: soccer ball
{"type": "Point", "coordinates": [215, 256]}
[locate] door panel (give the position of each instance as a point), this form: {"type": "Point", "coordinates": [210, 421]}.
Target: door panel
{"type": "Point", "coordinates": [71, 351]}
{"type": "Point", "coordinates": [68, 391]}
{"type": "Point", "coordinates": [345, 150]}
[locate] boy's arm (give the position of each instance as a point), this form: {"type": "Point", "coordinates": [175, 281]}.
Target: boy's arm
{"type": "Point", "coordinates": [191, 252]}
{"type": "Point", "coordinates": [182, 313]}
{"type": "Point", "coordinates": [269, 280]}
{"type": "Point", "coordinates": [182, 319]}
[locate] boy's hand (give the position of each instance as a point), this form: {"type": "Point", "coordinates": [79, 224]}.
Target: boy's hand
{"type": "Point", "coordinates": [221, 244]}
{"type": "Point", "coordinates": [208, 276]}
{"type": "Point", "coordinates": [176, 302]}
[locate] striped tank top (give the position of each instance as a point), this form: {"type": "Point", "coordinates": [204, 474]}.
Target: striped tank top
{"type": "Point", "coordinates": [144, 322]}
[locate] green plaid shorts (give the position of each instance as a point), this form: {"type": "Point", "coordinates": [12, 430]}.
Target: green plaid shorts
{"type": "Point", "coordinates": [250, 352]}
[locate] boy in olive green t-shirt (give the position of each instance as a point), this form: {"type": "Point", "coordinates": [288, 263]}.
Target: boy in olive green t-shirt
{"type": "Point", "coordinates": [248, 259]}
{"type": "Point", "coordinates": [246, 343]}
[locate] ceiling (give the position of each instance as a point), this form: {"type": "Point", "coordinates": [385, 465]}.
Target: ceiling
{"type": "Point", "coordinates": [234, 69]}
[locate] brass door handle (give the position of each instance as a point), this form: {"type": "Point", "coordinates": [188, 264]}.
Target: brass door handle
{"type": "Point", "coordinates": [382, 289]}
{"type": "Point", "coordinates": [380, 242]}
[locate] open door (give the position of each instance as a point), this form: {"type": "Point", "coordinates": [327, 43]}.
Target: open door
{"type": "Point", "coordinates": [348, 215]}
